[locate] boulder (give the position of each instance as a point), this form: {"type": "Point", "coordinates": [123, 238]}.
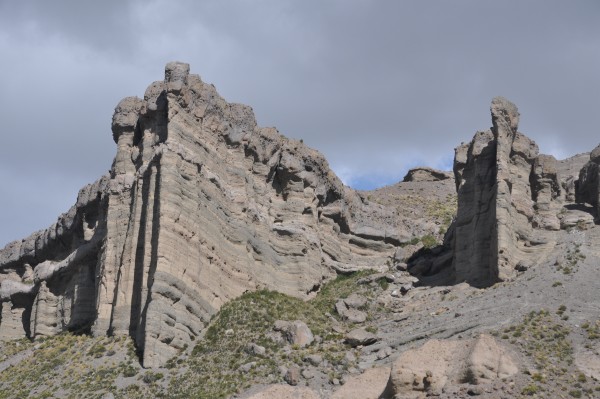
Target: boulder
{"type": "Point", "coordinates": [425, 368]}
{"type": "Point", "coordinates": [489, 362]}
{"type": "Point", "coordinates": [355, 301]}
{"type": "Point", "coordinates": [295, 332]}
{"type": "Point", "coordinates": [255, 350]}
{"type": "Point", "coordinates": [314, 360]}
{"type": "Point", "coordinates": [292, 376]}
{"type": "Point", "coordinates": [360, 337]}
{"type": "Point", "coordinates": [351, 313]}
{"type": "Point", "coordinates": [279, 391]}
{"type": "Point", "coordinates": [439, 364]}
{"type": "Point", "coordinates": [368, 385]}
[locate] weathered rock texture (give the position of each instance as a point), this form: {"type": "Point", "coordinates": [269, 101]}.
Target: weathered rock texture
{"type": "Point", "coordinates": [426, 174]}
{"type": "Point", "coordinates": [505, 190]}
{"type": "Point", "coordinates": [199, 206]}
{"type": "Point", "coordinates": [587, 188]}
{"type": "Point", "coordinates": [427, 370]}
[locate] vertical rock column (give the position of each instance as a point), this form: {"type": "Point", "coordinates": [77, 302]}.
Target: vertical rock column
{"type": "Point", "coordinates": [515, 155]}
{"type": "Point", "coordinates": [124, 125]}
{"type": "Point", "coordinates": [495, 199]}
{"type": "Point", "coordinates": [587, 189]}
{"type": "Point", "coordinates": [545, 187]}
{"type": "Point", "coordinates": [11, 321]}
{"type": "Point", "coordinates": [161, 330]}
{"type": "Point", "coordinates": [475, 224]}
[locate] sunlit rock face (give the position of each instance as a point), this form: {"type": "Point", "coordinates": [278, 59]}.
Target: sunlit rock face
{"type": "Point", "coordinates": [200, 205]}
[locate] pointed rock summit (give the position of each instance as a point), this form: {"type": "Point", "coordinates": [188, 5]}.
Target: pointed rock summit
{"type": "Point", "coordinates": [505, 189]}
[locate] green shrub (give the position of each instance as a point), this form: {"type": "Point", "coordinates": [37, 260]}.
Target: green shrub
{"type": "Point", "coordinates": [151, 377]}
{"type": "Point", "coordinates": [429, 241]}
{"type": "Point", "coordinates": [530, 389]}
{"type": "Point", "coordinates": [383, 283]}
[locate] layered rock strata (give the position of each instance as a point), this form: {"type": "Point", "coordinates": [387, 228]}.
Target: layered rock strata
{"type": "Point", "coordinates": [505, 191]}
{"type": "Point", "coordinates": [200, 205]}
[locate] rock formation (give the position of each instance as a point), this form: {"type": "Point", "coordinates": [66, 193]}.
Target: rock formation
{"type": "Point", "coordinates": [427, 370]}
{"type": "Point", "coordinates": [426, 174]}
{"type": "Point", "coordinates": [200, 205]}
{"type": "Point", "coordinates": [505, 190]}
{"type": "Point", "coordinates": [587, 189]}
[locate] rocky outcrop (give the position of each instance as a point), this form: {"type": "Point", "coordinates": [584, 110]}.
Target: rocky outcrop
{"type": "Point", "coordinates": [426, 174]}
{"type": "Point", "coordinates": [429, 369]}
{"type": "Point", "coordinates": [587, 188]}
{"type": "Point", "coordinates": [505, 190]}
{"type": "Point", "coordinates": [546, 190]}
{"type": "Point", "coordinates": [200, 205]}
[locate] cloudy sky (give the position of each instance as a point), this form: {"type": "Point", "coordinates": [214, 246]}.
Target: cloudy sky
{"type": "Point", "coordinates": [377, 86]}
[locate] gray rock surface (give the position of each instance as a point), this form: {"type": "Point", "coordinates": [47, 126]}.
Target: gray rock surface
{"type": "Point", "coordinates": [359, 337]}
{"type": "Point", "coordinates": [587, 188]}
{"type": "Point", "coordinates": [200, 206]}
{"type": "Point", "coordinates": [347, 309]}
{"type": "Point", "coordinates": [295, 332]}
{"type": "Point", "coordinates": [429, 369]}
{"type": "Point", "coordinates": [422, 174]}
{"type": "Point", "coordinates": [505, 191]}
{"type": "Point", "coordinates": [292, 376]}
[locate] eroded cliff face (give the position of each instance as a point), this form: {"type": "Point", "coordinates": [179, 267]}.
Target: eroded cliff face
{"type": "Point", "coordinates": [507, 196]}
{"type": "Point", "coordinates": [200, 206]}
{"type": "Point", "coordinates": [587, 189]}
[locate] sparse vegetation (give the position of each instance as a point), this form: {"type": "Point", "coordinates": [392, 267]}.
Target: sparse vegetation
{"type": "Point", "coordinates": [76, 357]}
{"type": "Point", "coordinates": [215, 361]}
{"type": "Point", "coordinates": [443, 211]}
{"type": "Point", "coordinates": [218, 366]}
{"type": "Point", "coordinates": [530, 389]}
{"type": "Point", "coordinates": [592, 329]}
{"type": "Point", "coordinates": [429, 241]}
{"type": "Point", "coordinates": [546, 342]}
{"type": "Point", "coordinates": [571, 262]}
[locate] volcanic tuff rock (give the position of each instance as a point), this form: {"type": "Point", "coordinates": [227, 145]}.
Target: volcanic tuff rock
{"type": "Point", "coordinates": [200, 205]}
{"type": "Point", "coordinates": [507, 192]}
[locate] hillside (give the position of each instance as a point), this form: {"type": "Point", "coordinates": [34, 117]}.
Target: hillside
{"type": "Point", "coordinates": [221, 259]}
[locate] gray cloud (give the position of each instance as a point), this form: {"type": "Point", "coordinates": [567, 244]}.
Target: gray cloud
{"type": "Point", "coordinates": [377, 86]}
